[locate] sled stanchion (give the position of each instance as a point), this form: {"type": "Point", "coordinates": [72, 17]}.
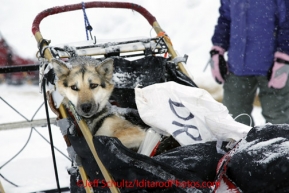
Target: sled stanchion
{"type": "Point", "coordinates": [171, 50]}
{"type": "Point", "coordinates": [47, 54]}
{"type": "Point", "coordinates": [84, 179]}
{"type": "Point", "coordinates": [1, 188]}
{"type": "Point", "coordinates": [80, 168]}
{"type": "Point", "coordinates": [89, 139]}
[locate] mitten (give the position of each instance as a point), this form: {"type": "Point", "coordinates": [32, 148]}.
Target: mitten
{"type": "Point", "coordinates": [280, 71]}
{"type": "Point", "coordinates": [218, 64]}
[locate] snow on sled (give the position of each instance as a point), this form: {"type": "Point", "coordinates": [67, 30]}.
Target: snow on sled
{"type": "Point", "coordinates": [184, 131]}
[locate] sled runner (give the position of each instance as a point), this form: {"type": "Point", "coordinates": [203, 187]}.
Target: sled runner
{"type": "Point", "coordinates": [183, 157]}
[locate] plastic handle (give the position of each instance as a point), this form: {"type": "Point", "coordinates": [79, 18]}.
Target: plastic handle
{"type": "Point", "coordinates": [96, 4]}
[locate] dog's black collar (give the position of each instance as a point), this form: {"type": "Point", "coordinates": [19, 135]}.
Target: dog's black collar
{"type": "Point", "coordinates": [103, 111]}
{"type": "Point", "coordinates": [100, 122]}
{"type": "Point", "coordinates": [100, 117]}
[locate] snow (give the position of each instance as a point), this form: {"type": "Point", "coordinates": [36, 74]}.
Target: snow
{"type": "Point", "coordinates": [267, 154]}
{"type": "Point", "coordinates": [189, 24]}
{"type": "Point", "coordinates": [32, 170]}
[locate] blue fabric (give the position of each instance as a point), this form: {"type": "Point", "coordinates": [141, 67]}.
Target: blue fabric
{"type": "Point", "coordinates": [252, 31]}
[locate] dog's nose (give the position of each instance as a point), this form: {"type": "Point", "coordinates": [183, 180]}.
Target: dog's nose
{"type": "Point", "coordinates": [86, 107]}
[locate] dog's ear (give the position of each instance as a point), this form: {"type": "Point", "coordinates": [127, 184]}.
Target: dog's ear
{"type": "Point", "coordinates": [60, 68]}
{"type": "Point", "coordinates": [105, 68]}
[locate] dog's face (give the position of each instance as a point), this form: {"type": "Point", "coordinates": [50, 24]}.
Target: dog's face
{"type": "Point", "coordinates": [87, 84]}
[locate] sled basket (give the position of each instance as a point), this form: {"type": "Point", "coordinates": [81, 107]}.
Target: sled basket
{"type": "Point", "coordinates": [103, 164]}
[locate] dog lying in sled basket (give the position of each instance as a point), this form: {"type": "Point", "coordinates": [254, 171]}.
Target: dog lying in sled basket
{"type": "Point", "coordinates": [189, 153]}
{"type": "Point", "coordinates": [187, 168]}
{"type": "Point", "coordinates": [159, 70]}
{"type": "Point", "coordinates": [170, 167]}
{"type": "Point", "coordinates": [145, 71]}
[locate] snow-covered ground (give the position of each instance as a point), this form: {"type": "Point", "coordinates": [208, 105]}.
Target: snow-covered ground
{"type": "Point", "coordinates": [32, 170]}
{"type": "Point", "coordinates": [188, 23]}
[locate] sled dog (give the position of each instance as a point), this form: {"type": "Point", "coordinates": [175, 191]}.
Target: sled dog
{"type": "Point", "coordinates": [87, 84]}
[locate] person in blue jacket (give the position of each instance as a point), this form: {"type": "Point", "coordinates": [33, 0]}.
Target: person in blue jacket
{"type": "Point", "coordinates": [256, 36]}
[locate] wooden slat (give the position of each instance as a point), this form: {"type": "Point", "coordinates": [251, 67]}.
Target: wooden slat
{"type": "Point", "coordinates": [1, 188]}
{"type": "Point", "coordinates": [26, 124]}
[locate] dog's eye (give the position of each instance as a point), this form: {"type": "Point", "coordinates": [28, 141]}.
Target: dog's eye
{"type": "Point", "coordinates": [74, 88]}
{"type": "Point", "coordinates": [92, 86]}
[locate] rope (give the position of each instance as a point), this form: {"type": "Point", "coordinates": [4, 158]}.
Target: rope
{"type": "Point", "coordinates": [86, 22]}
{"type": "Point", "coordinates": [242, 114]}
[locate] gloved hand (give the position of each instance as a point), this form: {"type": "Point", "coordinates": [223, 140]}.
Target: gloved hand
{"type": "Point", "coordinates": [280, 71]}
{"type": "Point", "coordinates": [218, 64]}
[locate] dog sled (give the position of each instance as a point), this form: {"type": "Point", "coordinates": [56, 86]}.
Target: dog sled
{"type": "Point", "coordinates": [171, 164]}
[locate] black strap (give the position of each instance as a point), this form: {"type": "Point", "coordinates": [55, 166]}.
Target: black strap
{"type": "Point", "coordinates": [41, 45]}
{"type": "Point", "coordinates": [214, 52]}
{"type": "Point", "coordinates": [23, 68]}
{"type": "Point", "coordinates": [50, 136]}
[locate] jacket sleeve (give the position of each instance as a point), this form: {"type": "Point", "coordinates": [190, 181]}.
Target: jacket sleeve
{"type": "Point", "coordinates": [282, 34]}
{"type": "Point", "coordinates": [221, 35]}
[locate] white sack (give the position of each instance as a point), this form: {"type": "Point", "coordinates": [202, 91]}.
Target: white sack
{"type": "Point", "coordinates": [191, 115]}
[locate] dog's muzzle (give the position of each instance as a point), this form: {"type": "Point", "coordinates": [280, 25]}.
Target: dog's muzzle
{"type": "Point", "coordinates": [87, 110]}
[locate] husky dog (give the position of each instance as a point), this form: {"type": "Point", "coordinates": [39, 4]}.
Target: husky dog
{"type": "Point", "coordinates": [87, 84]}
